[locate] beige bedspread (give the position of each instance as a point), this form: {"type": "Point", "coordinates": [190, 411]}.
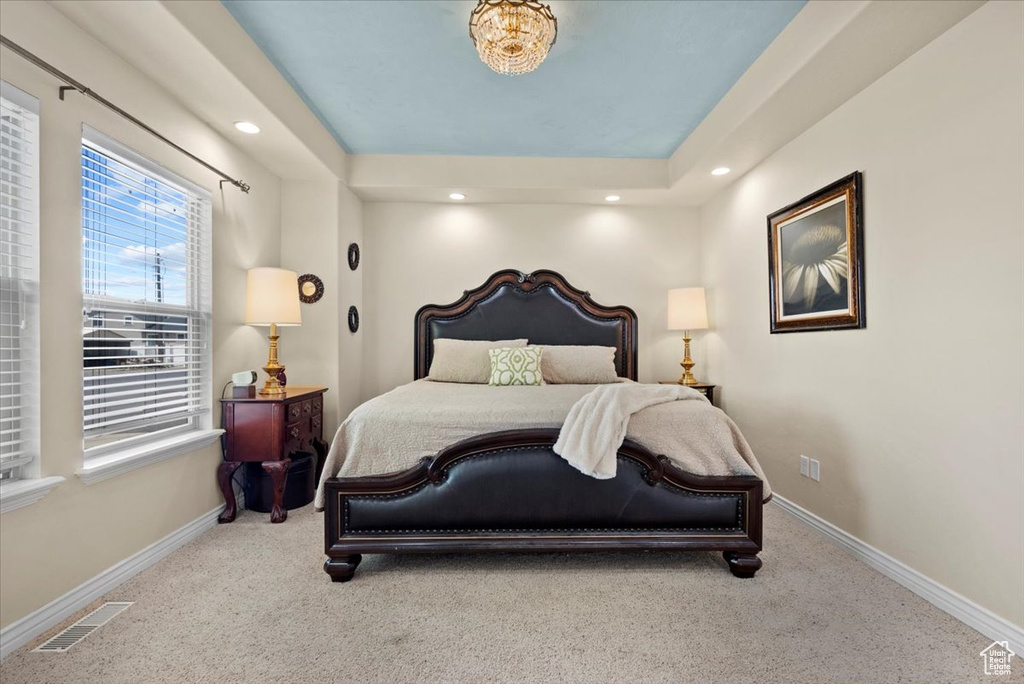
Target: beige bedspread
{"type": "Point", "coordinates": [394, 431]}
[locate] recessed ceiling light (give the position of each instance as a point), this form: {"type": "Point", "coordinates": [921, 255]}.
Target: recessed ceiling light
{"type": "Point", "coordinates": [457, 196]}
{"type": "Point", "coordinates": [612, 198]}
{"type": "Point", "coordinates": [720, 171]}
{"type": "Point", "coordinates": [247, 127]}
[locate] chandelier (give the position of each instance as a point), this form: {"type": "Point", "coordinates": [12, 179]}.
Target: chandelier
{"type": "Point", "coordinates": [512, 36]}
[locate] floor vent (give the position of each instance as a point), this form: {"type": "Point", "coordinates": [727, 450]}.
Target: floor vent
{"type": "Point", "coordinates": [83, 628]}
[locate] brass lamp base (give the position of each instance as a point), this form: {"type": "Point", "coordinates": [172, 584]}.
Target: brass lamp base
{"type": "Point", "coordinates": [687, 363]}
{"type": "Point", "coordinates": [272, 388]}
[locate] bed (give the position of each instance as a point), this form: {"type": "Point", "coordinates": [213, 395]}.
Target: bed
{"type": "Point", "coordinates": [506, 490]}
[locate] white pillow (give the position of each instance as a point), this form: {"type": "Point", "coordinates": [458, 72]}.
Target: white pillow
{"type": "Point", "coordinates": [578, 365]}
{"type": "Point", "coordinates": [465, 360]}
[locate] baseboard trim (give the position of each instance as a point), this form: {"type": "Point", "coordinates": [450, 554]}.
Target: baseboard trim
{"type": "Point", "coordinates": [28, 628]}
{"type": "Point", "coordinates": [945, 599]}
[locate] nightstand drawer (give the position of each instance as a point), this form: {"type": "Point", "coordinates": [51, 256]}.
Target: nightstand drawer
{"type": "Point", "coordinates": [295, 411]}
{"type": "Point", "coordinates": [295, 436]}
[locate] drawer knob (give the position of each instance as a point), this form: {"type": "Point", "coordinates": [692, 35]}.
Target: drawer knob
{"type": "Point", "coordinates": [295, 432]}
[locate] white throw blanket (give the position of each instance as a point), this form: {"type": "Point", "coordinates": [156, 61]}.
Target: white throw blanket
{"type": "Point", "coordinates": [596, 425]}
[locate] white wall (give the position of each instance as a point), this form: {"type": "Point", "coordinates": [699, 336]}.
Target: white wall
{"type": "Point", "coordinates": [319, 219]}
{"type": "Point", "coordinates": [350, 345]}
{"type": "Point", "coordinates": [309, 244]}
{"type": "Point", "coordinates": [419, 254]}
{"type": "Point", "coordinates": [917, 419]}
{"type": "Point", "coordinates": [80, 530]}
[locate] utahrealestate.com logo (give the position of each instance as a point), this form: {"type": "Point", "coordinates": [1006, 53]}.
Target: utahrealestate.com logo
{"type": "Point", "coordinates": [997, 658]}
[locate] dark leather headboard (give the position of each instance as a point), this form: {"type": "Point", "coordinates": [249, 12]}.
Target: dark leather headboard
{"type": "Point", "coordinates": [540, 306]}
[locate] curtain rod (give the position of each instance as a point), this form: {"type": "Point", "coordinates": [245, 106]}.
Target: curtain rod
{"type": "Point", "coordinates": [72, 84]}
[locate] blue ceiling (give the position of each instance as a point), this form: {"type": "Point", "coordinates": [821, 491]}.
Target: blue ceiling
{"type": "Point", "coordinates": [624, 79]}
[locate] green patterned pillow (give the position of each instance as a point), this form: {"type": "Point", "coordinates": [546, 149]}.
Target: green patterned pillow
{"type": "Point", "coordinates": [516, 366]}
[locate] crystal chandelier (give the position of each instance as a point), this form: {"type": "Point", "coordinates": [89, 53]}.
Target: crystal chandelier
{"type": "Point", "coordinates": [512, 36]}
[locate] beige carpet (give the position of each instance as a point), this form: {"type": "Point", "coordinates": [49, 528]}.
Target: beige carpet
{"type": "Point", "coordinates": [248, 602]}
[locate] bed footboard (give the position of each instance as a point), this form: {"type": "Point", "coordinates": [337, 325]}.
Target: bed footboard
{"type": "Point", "coordinates": [508, 491]}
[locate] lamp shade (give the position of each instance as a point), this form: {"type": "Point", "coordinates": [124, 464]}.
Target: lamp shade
{"type": "Point", "coordinates": [272, 296]}
{"type": "Point", "coordinates": [687, 309]}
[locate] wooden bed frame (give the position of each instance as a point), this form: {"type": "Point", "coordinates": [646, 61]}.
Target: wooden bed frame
{"type": "Point", "coordinates": [508, 491]}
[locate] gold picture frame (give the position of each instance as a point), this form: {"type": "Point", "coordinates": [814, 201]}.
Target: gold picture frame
{"type": "Point", "coordinates": [816, 260]}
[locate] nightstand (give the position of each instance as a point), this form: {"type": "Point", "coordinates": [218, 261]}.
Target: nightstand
{"type": "Point", "coordinates": [702, 387]}
{"type": "Point", "coordinates": [270, 430]}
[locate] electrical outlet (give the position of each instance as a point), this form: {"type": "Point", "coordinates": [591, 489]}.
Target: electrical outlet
{"type": "Point", "coordinates": [815, 470]}
{"type": "Point", "coordinates": [805, 466]}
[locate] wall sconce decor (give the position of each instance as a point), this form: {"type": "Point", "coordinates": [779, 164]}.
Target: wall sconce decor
{"type": "Point", "coordinates": [311, 288]}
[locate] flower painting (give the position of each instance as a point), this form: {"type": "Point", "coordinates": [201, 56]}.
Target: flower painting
{"type": "Point", "coordinates": [815, 260]}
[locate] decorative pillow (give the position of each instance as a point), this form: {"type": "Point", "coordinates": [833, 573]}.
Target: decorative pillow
{"type": "Point", "coordinates": [578, 365]}
{"type": "Point", "coordinates": [465, 360]}
{"type": "Point", "coordinates": [516, 366]}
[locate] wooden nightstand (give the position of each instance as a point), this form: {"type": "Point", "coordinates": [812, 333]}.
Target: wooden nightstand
{"type": "Point", "coordinates": [702, 387]}
{"type": "Point", "coordinates": [270, 430]}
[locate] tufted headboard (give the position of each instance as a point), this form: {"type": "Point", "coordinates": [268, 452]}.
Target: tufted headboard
{"type": "Point", "coordinates": [540, 306]}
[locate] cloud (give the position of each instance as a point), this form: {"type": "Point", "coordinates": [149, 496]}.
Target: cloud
{"type": "Point", "coordinates": [173, 255]}
{"type": "Point", "coordinates": [175, 209]}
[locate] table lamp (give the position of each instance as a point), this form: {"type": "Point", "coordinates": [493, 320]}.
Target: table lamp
{"type": "Point", "coordinates": [687, 310]}
{"type": "Point", "coordinates": [272, 298]}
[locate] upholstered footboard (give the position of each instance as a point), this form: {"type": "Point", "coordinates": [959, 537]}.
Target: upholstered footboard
{"type": "Point", "coordinates": [508, 491]}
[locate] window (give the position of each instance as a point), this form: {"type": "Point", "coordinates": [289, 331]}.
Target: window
{"type": "Point", "coordinates": [146, 293]}
{"type": "Point", "coordinates": [19, 283]}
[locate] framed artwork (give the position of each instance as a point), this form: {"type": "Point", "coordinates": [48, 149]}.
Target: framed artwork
{"type": "Point", "coordinates": [816, 260]}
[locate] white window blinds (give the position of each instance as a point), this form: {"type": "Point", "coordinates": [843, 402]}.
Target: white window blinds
{"type": "Point", "coordinates": [19, 282]}
{"type": "Point", "coordinates": [146, 281]}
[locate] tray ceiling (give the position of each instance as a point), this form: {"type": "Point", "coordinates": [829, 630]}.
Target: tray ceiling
{"type": "Point", "coordinates": [625, 79]}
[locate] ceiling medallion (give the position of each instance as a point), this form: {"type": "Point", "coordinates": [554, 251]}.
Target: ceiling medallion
{"type": "Point", "coordinates": [512, 36]}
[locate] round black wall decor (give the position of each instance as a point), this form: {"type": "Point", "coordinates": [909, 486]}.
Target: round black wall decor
{"type": "Point", "coordinates": [353, 256]}
{"type": "Point", "coordinates": [311, 288]}
{"type": "Point", "coordinates": [353, 319]}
